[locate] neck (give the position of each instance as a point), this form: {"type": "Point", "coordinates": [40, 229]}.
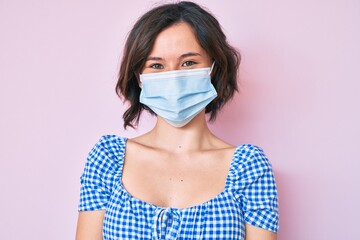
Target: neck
{"type": "Point", "coordinates": [193, 136]}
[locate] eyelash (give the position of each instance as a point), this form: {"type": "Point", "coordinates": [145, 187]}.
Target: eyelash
{"type": "Point", "coordinates": [192, 63]}
{"type": "Point", "coordinates": [185, 64]}
{"type": "Point", "coordinates": [156, 66]}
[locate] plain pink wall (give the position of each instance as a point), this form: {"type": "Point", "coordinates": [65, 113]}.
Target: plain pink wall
{"type": "Point", "coordinates": [299, 101]}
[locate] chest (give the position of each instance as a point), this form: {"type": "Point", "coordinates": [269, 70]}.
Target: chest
{"type": "Point", "coordinates": [175, 180]}
{"type": "Point", "coordinates": [219, 218]}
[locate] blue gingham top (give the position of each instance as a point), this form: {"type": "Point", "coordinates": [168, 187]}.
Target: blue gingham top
{"type": "Point", "coordinates": [249, 196]}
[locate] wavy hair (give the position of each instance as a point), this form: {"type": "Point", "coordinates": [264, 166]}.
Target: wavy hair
{"type": "Point", "coordinates": [210, 37]}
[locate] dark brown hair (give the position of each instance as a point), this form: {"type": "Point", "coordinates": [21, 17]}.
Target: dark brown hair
{"type": "Point", "coordinates": [210, 37]}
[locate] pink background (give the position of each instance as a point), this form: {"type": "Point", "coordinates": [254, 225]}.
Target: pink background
{"type": "Point", "coordinates": [299, 101]}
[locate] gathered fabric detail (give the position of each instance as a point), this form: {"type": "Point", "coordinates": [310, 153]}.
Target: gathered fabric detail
{"type": "Point", "coordinates": [249, 196]}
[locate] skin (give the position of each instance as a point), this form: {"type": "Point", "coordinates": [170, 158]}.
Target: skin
{"type": "Point", "coordinates": [169, 166]}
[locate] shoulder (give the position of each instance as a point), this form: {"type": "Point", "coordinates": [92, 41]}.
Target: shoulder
{"type": "Point", "coordinates": [248, 153]}
{"type": "Point", "coordinates": [109, 141]}
{"type": "Point", "coordinates": [249, 161]}
{"type": "Point", "coordinates": [101, 172]}
{"type": "Point", "coordinates": [109, 149]}
{"type": "Point", "coordinates": [255, 188]}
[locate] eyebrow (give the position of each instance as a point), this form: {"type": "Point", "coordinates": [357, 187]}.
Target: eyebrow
{"type": "Point", "coordinates": [189, 54]}
{"type": "Point", "coordinates": [185, 55]}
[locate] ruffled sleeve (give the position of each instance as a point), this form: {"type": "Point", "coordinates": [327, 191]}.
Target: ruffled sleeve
{"type": "Point", "coordinates": [255, 188]}
{"type": "Point", "coordinates": [100, 173]}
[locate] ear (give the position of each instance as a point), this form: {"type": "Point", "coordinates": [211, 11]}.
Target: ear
{"type": "Point", "coordinates": [138, 79]}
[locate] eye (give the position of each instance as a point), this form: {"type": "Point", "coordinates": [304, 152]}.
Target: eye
{"type": "Point", "coordinates": [188, 63]}
{"type": "Point", "coordinates": [156, 66]}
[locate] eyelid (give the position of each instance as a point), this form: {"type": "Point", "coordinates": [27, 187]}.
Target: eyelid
{"type": "Point", "coordinates": [152, 66]}
{"type": "Point", "coordinates": [191, 61]}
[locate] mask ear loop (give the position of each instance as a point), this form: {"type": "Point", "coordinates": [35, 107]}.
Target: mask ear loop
{"type": "Point", "coordinates": [212, 66]}
{"type": "Point", "coordinates": [138, 78]}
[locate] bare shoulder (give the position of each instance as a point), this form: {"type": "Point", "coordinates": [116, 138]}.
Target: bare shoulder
{"type": "Point", "coordinates": [222, 146]}
{"type": "Point", "coordinates": [141, 141]}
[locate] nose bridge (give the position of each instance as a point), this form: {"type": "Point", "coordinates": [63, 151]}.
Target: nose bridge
{"type": "Point", "coordinates": [172, 61]}
{"type": "Point", "coordinates": [173, 65]}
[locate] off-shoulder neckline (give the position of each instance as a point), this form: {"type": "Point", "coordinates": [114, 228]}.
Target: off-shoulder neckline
{"type": "Point", "coordinates": [223, 192]}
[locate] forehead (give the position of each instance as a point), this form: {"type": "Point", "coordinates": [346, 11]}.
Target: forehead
{"type": "Point", "coordinates": [176, 39]}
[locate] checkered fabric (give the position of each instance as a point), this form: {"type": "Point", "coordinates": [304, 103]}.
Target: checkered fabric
{"type": "Point", "coordinates": [249, 196]}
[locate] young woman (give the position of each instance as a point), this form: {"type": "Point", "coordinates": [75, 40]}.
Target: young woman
{"type": "Point", "coordinates": [178, 181]}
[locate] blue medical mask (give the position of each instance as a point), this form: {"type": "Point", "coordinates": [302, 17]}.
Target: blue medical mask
{"type": "Point", "coordinates": [177, 96]}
